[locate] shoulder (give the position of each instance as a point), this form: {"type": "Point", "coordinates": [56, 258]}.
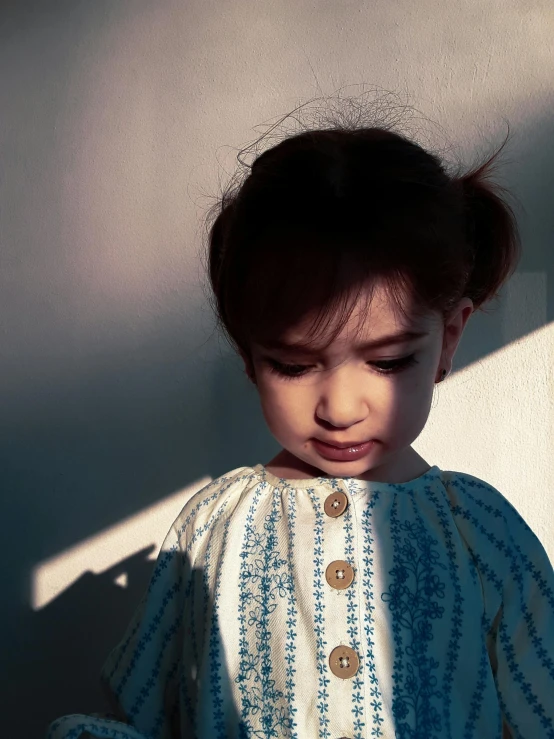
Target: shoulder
{"type": "Point", "coordinates": [482, 513]}
{"type": "Point", "coordinates": [215, 501]}
{"type": "Point", "coordinates": [479, 498]}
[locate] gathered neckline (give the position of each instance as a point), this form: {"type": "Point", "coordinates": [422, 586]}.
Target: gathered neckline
{"type": "Point", "coordinates": [304, 483]}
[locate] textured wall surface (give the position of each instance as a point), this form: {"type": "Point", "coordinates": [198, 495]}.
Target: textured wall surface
{"type": "Point", "coordinates": [119, 120]}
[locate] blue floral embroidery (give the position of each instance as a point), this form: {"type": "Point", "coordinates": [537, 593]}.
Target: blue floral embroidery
{"type": "Point", "coordinates": [352, 617]}
{"type": "Point", "coordinates": [186, 686]}
{"type": "Point", "coordinates": [154, 676]}
{"type": "Point", "coordinates": [248, 661]}
{"type": "Point", "coordinates": [291, 620]}
{"type": "Point", "coordinates": [148, 635]}
{"type": "Point", "coordinates": [410, 599]}
{"type": "Point", "coordinates": [264, 578]}
{"type": "Point", "coordinates": [527, 617]}
{"type": "Point", "coordinates": [369, 625]}
{"type": "Point", "coordinates": [102, 727]}
{"type": "Point", "coordinates": [319, 626]}
{"type": "Point", "coordinates": [168, 637]}
{"type": "Point", "coordinates": [162, 713]}
{"type": "Point", "coordinates": [478, 693]}
{"type": "Point", "coordinates": [544, 589]}
{"type": "Point", "coordinates": [215, 651]}
{"type": "Point", "coordinates": [457, 610]}
{"type": "Point", "coordinates": [167, 556]}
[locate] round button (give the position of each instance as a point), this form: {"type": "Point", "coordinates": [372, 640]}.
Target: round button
{"type": "Point", "coordinates": [344, 662]}
{"type": "Point", "coordinates": [335, 504]}
{"type": "Point", "coordinates": [339, 574]}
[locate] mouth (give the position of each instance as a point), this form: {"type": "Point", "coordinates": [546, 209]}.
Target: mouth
{"type": "Point", "coordinates": [344, 445]}
{"type": "Point", "coordinates": [346, 452]}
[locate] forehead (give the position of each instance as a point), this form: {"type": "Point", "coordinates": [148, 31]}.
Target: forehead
{"type": "Point", "coordinates": [375, 316]}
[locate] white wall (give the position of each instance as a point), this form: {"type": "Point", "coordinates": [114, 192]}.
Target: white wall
{"type": "Point", "coordinates": [117, 120]}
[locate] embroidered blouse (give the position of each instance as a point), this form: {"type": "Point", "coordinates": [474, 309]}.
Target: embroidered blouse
{"type": "Point", "coordinates": [333, 608]}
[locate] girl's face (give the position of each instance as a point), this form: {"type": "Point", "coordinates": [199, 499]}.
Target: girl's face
{"type": "Point", "coordinates": [349, 393]}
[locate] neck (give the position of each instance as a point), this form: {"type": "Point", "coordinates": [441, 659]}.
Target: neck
{"type": "Point", "coordinates": [407, 465]}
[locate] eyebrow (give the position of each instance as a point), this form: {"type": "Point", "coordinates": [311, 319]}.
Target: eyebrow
{"type": "Point", "coordinates": [399, 338]}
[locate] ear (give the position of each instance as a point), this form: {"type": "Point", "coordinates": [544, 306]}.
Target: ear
{"type": "Point", "coordinates": [454, 326]}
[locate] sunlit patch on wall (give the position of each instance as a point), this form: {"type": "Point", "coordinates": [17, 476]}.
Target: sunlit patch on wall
{"type": "Point", "coordinates": [495, 419]}
{"type": "Point", "coordinates": [121, 580]}
{"type": "Point", "coordinates": [103, 551]}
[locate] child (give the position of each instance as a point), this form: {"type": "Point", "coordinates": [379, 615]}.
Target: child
{"type": "Point", "coordinates": [347, 588]}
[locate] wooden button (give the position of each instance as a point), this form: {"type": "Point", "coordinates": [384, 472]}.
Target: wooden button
{"type": "Point", "coordinates": [335, 504]}
{"type": "Point", "coordinates": [339, 574]}
{"type": "Point", "coordinates": [344, 662]}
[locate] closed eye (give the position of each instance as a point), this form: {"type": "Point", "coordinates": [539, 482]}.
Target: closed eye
{"type": "Point", "coordinates": [387, 366]}
{"type": "Point", "coordinates": [383, 367]}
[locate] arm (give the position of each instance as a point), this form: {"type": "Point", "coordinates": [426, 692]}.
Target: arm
{"type": "Point", "coordinates": [137, 678]}
{"type": "Point", "coordinates": [141, 676]}
{"type": "Point", "coordinates": [524, 639]}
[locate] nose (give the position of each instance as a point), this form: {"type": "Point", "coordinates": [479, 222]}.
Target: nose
{"type": "Point", "coordinates": [341, 401]}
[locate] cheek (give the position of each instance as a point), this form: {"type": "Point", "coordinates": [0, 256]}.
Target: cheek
{"type": "Point", "coordinates": [410, 402]}
{"type": "Point", "coordinates": [279, 403]}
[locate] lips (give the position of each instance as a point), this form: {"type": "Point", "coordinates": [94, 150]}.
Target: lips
{"type": "Point", "coordinates": [350, 452]}
{"type": "Point", "coordinates": [345, 444]}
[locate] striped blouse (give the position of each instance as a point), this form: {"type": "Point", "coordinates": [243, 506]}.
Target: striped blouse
{"type": "Point", "coordinates": [333, 607]}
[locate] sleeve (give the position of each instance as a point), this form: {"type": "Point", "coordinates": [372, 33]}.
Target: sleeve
{"type": "Point", "coordinates": [80, 726]}
{"type": "Point", "coordinates": [523, 638]}
{"type": "Point", "coordinates": [141, 676]}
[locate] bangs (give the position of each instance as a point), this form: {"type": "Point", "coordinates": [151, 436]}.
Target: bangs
{"type": "Point", "coordinates": [318, 280]}
{"type": "Point", "coordinates": [308, 253]}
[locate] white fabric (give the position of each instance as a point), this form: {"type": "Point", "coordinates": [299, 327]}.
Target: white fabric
{"type": "Point", "coordinates": [451, 612]}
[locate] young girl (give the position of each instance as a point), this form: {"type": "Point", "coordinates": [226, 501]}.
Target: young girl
{"type": "Point", "coordinates": [348, 587]}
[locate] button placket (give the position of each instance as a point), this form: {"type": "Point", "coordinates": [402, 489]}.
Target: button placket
{"type": "Point", "coordinates": [344, 661]}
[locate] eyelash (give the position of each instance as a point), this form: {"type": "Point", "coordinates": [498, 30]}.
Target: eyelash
{"type": "Point", "coordinates": [287, 371]}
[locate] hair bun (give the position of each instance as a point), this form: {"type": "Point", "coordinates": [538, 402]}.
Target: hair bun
{"type": "Point", "coordinates": [491, 231]}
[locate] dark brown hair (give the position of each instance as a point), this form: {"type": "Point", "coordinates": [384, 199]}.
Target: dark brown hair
{"type": "Point", "coordinates": [325, 213]}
